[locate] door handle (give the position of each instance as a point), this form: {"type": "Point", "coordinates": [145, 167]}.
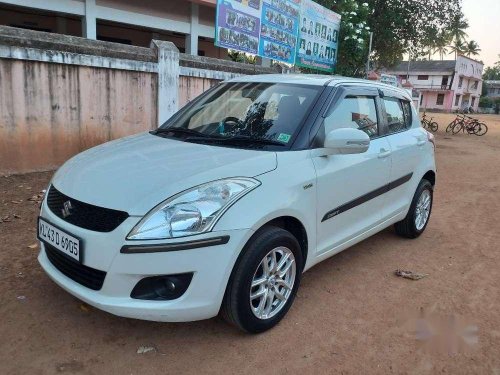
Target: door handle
{"type": "Point", "coordinates": [383, 153]}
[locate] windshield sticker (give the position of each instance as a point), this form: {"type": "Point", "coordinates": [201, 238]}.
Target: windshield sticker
{"type": "Point", "coordinates": [284, 137]}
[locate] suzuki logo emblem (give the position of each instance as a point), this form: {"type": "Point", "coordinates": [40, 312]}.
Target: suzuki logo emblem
{"type": "Point", "coordinates": [67, 207]}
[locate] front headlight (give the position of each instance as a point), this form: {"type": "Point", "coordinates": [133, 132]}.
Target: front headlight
{"type": "Point", "coordinates": [193, 211]}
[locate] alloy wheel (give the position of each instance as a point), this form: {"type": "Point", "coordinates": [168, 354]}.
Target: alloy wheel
{"type": "Point", "coordinates": [272, 283]}
{"type": "Point", "coordinates": [423, 209]}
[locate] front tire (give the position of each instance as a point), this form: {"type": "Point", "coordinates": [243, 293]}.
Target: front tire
{"type": "Point", "coordinates": [415, 222]}
{"type": "Point", "coordinates": [264, 282]}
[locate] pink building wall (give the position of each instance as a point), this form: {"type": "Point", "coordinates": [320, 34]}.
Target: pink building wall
{"type": "Point", "coordinates": [60, 95]}
{"type": "Point", "coordinates": [50, 112]}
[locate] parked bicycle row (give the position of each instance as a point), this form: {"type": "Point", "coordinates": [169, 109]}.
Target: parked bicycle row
{"type": "Point", "coordinates": [462, 123]}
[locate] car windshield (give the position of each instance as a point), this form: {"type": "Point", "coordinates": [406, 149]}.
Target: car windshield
{"type": "Point", "coordinates": [245, 114]}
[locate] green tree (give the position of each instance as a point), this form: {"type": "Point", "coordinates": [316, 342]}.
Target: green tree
{"type": "Point", "coordinates": [410, 26]}
{"type": "Point", "coordinates": [458, 47]}
{"type": "Point", "coordinates": [241, 56]}
{"type": "Point", "coordinates": [399, 27]}
{"type": "Point", "coordinates": [492, 73]}
{"type": "Point", "coordinates": [458, 26]}
{"type": "Point", "coordinates": [472, 48]}
{"type": "Point", "coordinates": [441, 44]}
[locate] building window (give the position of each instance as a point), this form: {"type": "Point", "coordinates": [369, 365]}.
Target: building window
{"type": "Point", "coordinates": [473, 101]}
{"type": "Point", "coordinates": [440, 99]}
{"type": "Point", "coordinates": [457, 100]}
{"type": "Point", "coordinates": [474, 86]}
{"type": "Point", "coordinates": [423, 78]}
{"type": "Point", "coordinates": [460, 82]}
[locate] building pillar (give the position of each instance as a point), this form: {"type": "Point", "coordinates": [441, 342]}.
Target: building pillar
{"type": "Point", "coordinates": [192, 37]}
{"type": "Point", "coordinates": [89, 20]}
{"type": "Point", "coordinates": [168, 79]}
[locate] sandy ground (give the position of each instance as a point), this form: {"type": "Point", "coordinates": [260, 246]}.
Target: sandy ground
{"type": "Point", "coordinates": [352, 315]}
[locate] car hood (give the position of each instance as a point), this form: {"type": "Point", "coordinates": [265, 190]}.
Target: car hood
{"type": "Point", "coordinates": [136, 173]}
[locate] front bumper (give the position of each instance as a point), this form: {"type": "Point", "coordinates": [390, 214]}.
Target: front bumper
{"type": "Point", "coordinates": [211, 266]}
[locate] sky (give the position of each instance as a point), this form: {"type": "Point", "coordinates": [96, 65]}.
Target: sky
{"type": "Point", "coordinates": [484, 27]}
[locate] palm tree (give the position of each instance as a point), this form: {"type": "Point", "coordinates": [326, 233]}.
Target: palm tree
{"type": "Point", "coordinates": [458, 27]}
{"type": "Point", "coordinates": [442, 43]}
{"type": "Point", "coordinates": [441, 49]}
{"type": "Point", "coordinates": [472, 48]}
{"type": "Point", "coordinates": [458, 47]}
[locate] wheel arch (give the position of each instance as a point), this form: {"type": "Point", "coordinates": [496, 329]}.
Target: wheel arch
{"type": "Point", "coordinates": [430, 176]}
{"type": "Point", "coordinates": [295, 227]}
{"type": "Point", "coordinates": [287, 222]}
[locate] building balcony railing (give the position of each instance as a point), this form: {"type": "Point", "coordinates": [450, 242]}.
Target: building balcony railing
{"type": "Point", "coordinates": [427, 86]}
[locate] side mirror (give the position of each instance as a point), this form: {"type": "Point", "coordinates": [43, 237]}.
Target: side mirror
{"type": "Point", "coordinates": [347, 141]}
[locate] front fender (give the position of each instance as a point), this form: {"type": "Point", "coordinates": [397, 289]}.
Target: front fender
{"type": "Point", "coordinates": [289, 190]}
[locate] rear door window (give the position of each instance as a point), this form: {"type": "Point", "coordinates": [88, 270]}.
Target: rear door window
{"type": "Point", "coordinates": [398, 114]}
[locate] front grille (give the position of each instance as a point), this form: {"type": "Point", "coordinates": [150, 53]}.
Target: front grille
{"type": "Point", "coordinates": [86, 276]}
{"type": "Point", "coordinates": [82, 214]}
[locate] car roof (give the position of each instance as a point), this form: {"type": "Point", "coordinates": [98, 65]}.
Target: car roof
{"type": "Point", "coordinates": [315, 80]}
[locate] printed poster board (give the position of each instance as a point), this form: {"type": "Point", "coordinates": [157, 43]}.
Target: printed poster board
{"type": "Point", "coordinates": [279, 28]}
{"type": "Point", "coordinates": [317, 44]}
{"type": "Point", "coordinates": [276, 29]}
{"type": "Point", "coordinates": [238, 25]}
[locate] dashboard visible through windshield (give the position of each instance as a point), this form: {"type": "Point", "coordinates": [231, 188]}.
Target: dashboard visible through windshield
{"type": "Point", "coordinates": [245, 114]}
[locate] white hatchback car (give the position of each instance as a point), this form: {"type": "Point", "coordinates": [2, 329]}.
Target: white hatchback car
{"type": "Point", "coordinates": [226, 205]}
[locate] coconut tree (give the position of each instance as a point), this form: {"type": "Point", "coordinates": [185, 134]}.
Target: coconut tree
{"type": "Point", "coordinates": [458, 47]}
{"type": "Point", "coordinates": [458, 26]}
{"type": "Point", "coordinates": [472, 48]}
{"type": "Point", "coordinates": [441, 44]}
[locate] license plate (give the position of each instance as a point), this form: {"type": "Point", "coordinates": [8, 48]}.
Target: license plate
{"type": "Point", "coordinates": [61, 240]}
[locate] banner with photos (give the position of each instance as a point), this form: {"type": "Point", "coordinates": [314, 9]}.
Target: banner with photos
{"type": "Point", "coordinates": [238, 25]}
{"type": "Point", "coordinates": [292, 31]}
{"type": "Point", "coordinates": [317, 45]}
{"type": "Point", "coordinates": [278, 30]}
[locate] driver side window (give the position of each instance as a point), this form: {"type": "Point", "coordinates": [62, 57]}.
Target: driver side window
{"type": "Point", "coordinates": [357, 112]}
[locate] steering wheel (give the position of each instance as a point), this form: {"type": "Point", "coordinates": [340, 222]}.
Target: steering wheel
{"type": "Point", "coordinates": [233, 124]}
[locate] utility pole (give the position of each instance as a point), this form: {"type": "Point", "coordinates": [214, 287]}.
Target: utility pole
{"type": "Point", "coordinates": [408, 70]}
{"type": "Point", "coordinates": [369, 53]}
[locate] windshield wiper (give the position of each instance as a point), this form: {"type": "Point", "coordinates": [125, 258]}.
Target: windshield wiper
{"type": "Point", "coordinates": [178, 131]}
{"type": "Point", "coordinates": [237, 139]}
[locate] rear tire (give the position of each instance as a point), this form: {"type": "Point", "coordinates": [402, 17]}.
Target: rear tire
{"type": "Point", "coordinates": [480, 129]}
{"type": "Point", "coordinates": [415, 222]}
{"type": "Point", "coordinates": [251, 277]}
{"type": "Point", "coordinates": [434, 126]}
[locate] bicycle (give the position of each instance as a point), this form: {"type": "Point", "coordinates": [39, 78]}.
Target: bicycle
{"type": "Point", "coordinates": [457, 119]}
{"type": "Point", "coordinates": [429, 124]}
{"type": "Point", "coordinates": [468, 124]}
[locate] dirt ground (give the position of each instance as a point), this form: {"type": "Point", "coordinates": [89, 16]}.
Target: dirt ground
{"type": "Point", "coordinates": [352, 314]}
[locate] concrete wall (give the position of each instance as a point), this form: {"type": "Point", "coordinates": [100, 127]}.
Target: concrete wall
{"type": "Point", "coordinates": [60, 95]}
{"type": "Point", "coordinates": [50, 112]}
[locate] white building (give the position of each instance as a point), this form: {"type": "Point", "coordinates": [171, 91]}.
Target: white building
{"type": "Point", "coordinates": [444, 85]}
{"type": "Point", "coordinates": [189, 24]}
